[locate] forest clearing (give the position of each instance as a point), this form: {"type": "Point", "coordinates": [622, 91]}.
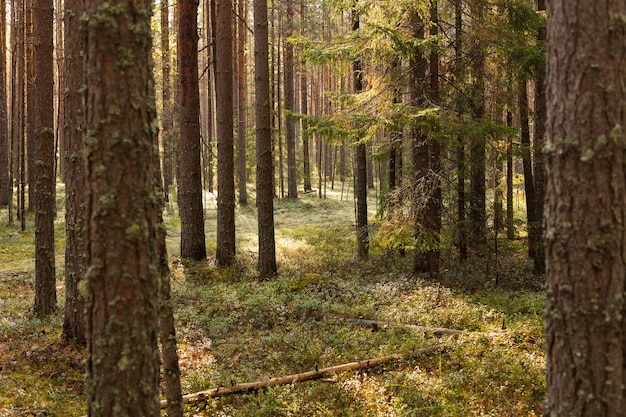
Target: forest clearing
{"type": "Point", "coordinates": [235, 327]}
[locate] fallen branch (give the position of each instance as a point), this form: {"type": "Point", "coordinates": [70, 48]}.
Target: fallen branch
{"type": "Point", "coordinates": [198, 397]}
{"type": "Point", "coordinates": [375, 325]}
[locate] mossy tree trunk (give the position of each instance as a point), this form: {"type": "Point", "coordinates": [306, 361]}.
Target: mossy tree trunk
{"type": "Point", "coordinates": [225, 254]}
{"type": "Point", "coordinates": [123, 205]}
{"type": "Point", "coordinates": [75, 215]}
{"type": "Point", "coordinates": [192, 240]}
{"type": "Point", "coordinates": [585, 210]}
{"type": "Point", "coordinates": [290, 105]}
{"type": "Point", "coordinates": [45, 195]}
{"type": "Point", "coordinates": [242, 102]}
{"type": "Point", "coordinates": [304, 97]}
{"type": "Point", "coordinates": [264, 158]}
{"type": "Point", "coordinates": [360, 157]}
{"type": "Point", "coordinates": [477, 145]}
{"type": "Point", "coordinates": [167, 122]}
{"type": "Point", "coordinates": [539, 169]}
{"type": "Point", "coordinates": [5, 144]}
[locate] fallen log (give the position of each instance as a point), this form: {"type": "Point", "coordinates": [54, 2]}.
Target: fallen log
{"type": "Point", "coordinates": [198, 397]}
{"type": "Point", "coordinates": [375, 325]}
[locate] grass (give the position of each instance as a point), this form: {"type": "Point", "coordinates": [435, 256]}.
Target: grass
{"type": "Point", "coordinates": [235, 326]}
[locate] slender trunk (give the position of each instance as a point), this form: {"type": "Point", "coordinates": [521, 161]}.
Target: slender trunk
{"type": "Point", "coordinates": [225, 254]}
{"type": "Point", "coordinates": [434, 204]}
{"type": "Point", "coordinates": [242, 139]}
{"type": "Point", "coordinates": [264, 172]}
{"type": "Point", "coordinates": [75, 214]}
{"type": "Point", "coordinates": [167, 120]}
{"type": "Point", "coordinates": [360, 159]}
{"type": "Point", "coordinates": [538, 158]}
{"type": "Point", "coordinates": [529, 184]}
{"type": "Point", "coordinates": [477, 200]}
{"type": "Point", "coordinates": [459, 76]}
{"type": "Point", "coordinates": [290, 104]}
{"type": "Point", "coordinates": [5, 143]}
{"type": "Point", "coordinates": [304, 109]}
{"type": "Point", "coordinates": [510, 225]}
{"type": "Point", "coordinates": [45, 193]}
{"type": "Point", "coordinates": [192, 240]}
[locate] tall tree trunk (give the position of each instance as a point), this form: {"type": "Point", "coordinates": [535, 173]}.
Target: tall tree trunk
{"type": "Point", "coordinates": [420, 155]}
{"type": "Point", "coordinates": [304, 108]}
{"type": "Point", "coordinates": [122, 282]}
{"type": "Point", "coordinates": [585, 210]}
{"type": "Point", "coordinates": [45, 193]}
{"type": "Point", "coordinates": [538, 159]}
{"type": "Point", "coordinates": [167, 119]}
{"type": "Point", "coordinates": [29, 148]}
{"type": "Point", "coordinates": [459, 76]}
{"type": "Point", "coordinates": [75, 215]}
{"type": "Point", "coordinates": [225, 254]}
{"type": "Point", "coordinates": [264, 158]}
{"type": "Point", "coordinates": [360, 158]}
{"type": "Point", "coordinates": [59, 82]}
{"type": "Point", "coordinates": [434, 204]}
{"type": "Point", "coordinates": [167, 329]}
{"type": "Point", "coordinates": [5, 142]}
{"type": "Point", "coordinates": [192, 240]}
{"type": "Point", "coordinates": [242, 139]}
{"type": "Point", "coordinates": [290, 107]}
{"type": "Point", "coordinates": [510, 225]}
{"type": "Point", "coordinates": [477, 198]}
{"type": "Point", "coordinates": [529, 183]}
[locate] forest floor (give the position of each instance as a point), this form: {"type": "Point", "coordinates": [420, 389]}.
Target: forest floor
{"type": "Point", "coordinates": [234, 326]}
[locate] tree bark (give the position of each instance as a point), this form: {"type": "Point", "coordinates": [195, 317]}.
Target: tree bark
{"type": "Point", "coordinates": [122, 277]}
{"type": "Point", "coordinates": [529, 182]}
{"type": "Point", "coordinates": [242, 139]}
{"type": "Point", "coordinates": [539, 169]}
{"type": "Point", "coordinates": [290, 107]}
{"type": "Point", "coordinates": [477, 197]}
{"type": "Point", "coordinates": [192, 240]}
{"type": "Point", "coordinates": [45, 193]}
{"type": "Point", "coordinates": [304, 109]}
{"type": "Point", "coordinates": [225, 254]}
{"type": "Point", "coordinates": [585, 209]}
{"type": "Point", "coordinates": [167, 120]}
{"type": "Point", "coordinates": [360, 158]}
{"type": "Point", "coordinates": [75, 215]}
{"type": "Point", "coordinates": [5, 143]}
{"type": "Point", "coordinates": [264, 158]}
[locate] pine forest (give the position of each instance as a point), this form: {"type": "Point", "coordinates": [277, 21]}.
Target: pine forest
{"type": "Point", "coordinates": [312, 208]}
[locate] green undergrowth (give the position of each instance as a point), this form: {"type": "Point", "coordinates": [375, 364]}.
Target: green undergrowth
{"type": "Point", "coordinates": [235, 326]}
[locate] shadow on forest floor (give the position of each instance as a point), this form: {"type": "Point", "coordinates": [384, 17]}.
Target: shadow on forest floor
{"type": "Point", "coordinates": [234, 327]}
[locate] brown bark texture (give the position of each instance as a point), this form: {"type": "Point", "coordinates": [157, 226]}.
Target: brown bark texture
{"type": "Point", "coordinates": [167, 122]}
{"type": "Point", "coordinates": [242, 102]}
{"type": "Point", "coordinates": [122, 276]}
{"type": "Point", "coordinates": [362, 232]}
{"type": "Point", "coordinates": [225, 253]}
{"type": "Point", "coordinates": [45, 193]}
{"type": "Point", "coordinates": [75, 215]}
{"type": "Point", "coordinates": [192, 240]}
{"type": "Point", "coordinates": [586, 208]}
{"type": "Point", "coordinates": [290, 105]}
{"type": "Point", "coordinates": [264, 158]}
{"type": "Point", "coordinates": [5, 144]}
